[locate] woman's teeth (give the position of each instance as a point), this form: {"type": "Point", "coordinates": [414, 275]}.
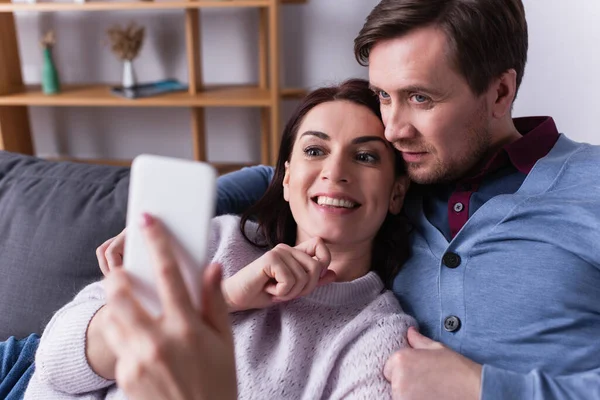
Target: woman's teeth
{"type": "Point", "coordinates": [328, 201]}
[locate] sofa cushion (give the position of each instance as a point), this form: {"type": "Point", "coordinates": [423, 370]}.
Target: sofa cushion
{"type": "Point", "coordinates": [53, 216]}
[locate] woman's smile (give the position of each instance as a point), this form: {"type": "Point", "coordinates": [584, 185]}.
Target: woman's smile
{"type": "Point", "coordinates": [335, 203]}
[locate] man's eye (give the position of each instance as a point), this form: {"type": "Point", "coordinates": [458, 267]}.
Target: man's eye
{"type": "Point", "coordinates": [419, 98]}
{"type": "Point", "coordinates": [313, 152]}
{"type": "Point", "coordinates": [383, 95]}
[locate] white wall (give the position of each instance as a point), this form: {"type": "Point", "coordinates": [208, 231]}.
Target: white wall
{"type": "Point", "coordinates": [561, 77]}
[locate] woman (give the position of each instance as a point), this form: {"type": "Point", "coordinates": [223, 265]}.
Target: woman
{"type": "Point", "coordinates": [329, 215]}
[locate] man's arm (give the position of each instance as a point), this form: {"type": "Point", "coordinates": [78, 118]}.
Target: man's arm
{"type": "Point", "coordinates": [429, 370]}
{"type": "Point", "coordinates": [239, 190]}
{"type": "Point", "coordinates": [536, 385]}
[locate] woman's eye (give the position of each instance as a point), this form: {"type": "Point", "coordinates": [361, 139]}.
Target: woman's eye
{"type": "Point", "coordinates": [313, 152]}
{"type": "Point", "coordinates": [419, 98]}
{"type": "Point", "coordinates": [367, 158]}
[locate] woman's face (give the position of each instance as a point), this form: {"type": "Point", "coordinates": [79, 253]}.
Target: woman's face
{"type": "Point", "coordinates": [340, 181]}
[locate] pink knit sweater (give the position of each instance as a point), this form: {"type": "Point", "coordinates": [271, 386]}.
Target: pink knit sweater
{"type": "Point", "coordinates": [330, 344]}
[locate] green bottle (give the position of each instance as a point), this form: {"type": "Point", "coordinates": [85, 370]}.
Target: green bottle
{"type": "Point", "coordinates": [50, 83]}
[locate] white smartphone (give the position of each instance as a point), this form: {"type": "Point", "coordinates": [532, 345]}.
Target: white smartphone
{"type": "Point", "coordinates": [182, 194]}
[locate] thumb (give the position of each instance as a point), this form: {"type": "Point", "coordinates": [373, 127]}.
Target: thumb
{"type": "Point", "coordinates": [418, 341]}
{"type": "Point", "coordinates": [214, 309]}
{"type": "Point", "coordinates": [328, 277]}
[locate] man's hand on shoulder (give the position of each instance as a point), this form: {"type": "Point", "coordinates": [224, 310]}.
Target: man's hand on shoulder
{"type": "Point", "coordinates": [429, 370]}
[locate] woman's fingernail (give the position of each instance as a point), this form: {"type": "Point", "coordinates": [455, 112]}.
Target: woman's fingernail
{"type": "Point", "coordinates": [147, 220]}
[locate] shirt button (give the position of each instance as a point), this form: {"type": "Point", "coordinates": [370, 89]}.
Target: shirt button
{"type": "Point", "coordinates": [452, 323]}
{"type": "Point", "coordinates": [458, 207]}
{"type": "Point", "coordinates": [451, 260]}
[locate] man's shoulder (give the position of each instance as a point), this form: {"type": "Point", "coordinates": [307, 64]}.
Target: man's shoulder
{"type": "Point", "coordinates": [576, 152]}
{"type": "Point", "coordinates": [577, 165]}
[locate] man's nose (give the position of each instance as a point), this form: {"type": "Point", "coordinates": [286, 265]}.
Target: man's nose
{"type": "Point", "coordinates": [398, 125]}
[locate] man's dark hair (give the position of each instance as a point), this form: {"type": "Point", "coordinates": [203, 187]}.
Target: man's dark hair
{"type": "Point", "coordinates": [273, 214]}
{"type": "Point", "coordinates": [486, 37]}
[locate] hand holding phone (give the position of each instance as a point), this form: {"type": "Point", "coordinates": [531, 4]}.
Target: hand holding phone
{"type": "Point", "coordinates": [182, 195]}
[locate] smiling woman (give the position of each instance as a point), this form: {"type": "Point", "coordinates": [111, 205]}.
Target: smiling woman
{"type": "Point", "coordinates": [333, 149]}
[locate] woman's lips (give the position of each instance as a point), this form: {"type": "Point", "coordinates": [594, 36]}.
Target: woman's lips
{"type": "Point", "coordinates": [340, 206]}
{"type": "Point", "coordinates": [334, 210]}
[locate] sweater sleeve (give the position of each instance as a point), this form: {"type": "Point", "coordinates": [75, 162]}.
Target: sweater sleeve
{"type": "Point", "coordinates": [502, 384]}
{"type": "Point", "coordinates": [358, 373]}
{"type": "Point", "coordinates": [61, 361]}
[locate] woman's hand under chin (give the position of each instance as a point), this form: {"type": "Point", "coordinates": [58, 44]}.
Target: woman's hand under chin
{"type": "Point", "coordinates": [282, 274]}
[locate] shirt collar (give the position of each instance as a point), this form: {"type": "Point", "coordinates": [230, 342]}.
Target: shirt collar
{"type": "Point", "coordinates": [538, 136]}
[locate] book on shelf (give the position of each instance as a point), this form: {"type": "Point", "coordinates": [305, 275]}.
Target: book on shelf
{"type": "Point", "coordinates": [149, 89]}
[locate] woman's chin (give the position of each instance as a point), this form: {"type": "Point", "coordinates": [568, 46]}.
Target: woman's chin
{"type": "Point", "coordinates": [337, 237]}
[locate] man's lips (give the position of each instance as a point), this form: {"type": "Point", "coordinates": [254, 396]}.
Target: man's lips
{"type": "Point", "coordinates": [413, 156]}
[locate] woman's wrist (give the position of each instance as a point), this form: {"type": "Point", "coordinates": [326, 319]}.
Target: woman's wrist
{"type": "Point", "coordinates": [225, 287]}
{"type": "Point", "coordinates": [99, 356]}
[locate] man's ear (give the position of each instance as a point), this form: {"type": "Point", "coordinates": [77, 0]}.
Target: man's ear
{"type": "Point", "coordinates": [286, 182]}
{"type": "Point", "coordinates": [504, 90]}
{"type": "Point", "coordinates": [398, 193]}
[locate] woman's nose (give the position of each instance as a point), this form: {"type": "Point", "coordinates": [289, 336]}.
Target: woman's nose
{"type": "Point", "coordinates": [336, 170]}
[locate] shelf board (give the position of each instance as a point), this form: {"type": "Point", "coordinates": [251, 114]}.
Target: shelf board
{"type": "Point", "coordinates": [293, 93]}
{"type": "Point", "coordinates": [99, 95]}
{"type": "Point", "coordinates": [136, 5]}
{"type": "Point", "coordinates": [222, 168]}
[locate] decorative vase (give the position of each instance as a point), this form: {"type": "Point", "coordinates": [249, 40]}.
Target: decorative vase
{"type": "Point", "coordinates": [50, 82]}
{"type": "Point", "coordinates": [128, 74]}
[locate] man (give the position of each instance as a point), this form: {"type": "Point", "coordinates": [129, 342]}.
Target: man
{"type": "Point", "coordinates": [505, 273]}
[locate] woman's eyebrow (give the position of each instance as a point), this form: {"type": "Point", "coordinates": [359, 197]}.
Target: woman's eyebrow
{"type": "Point", "coordinates": [358, 140]}
{"type": "Point", "coordinates": [320, 135]}
{"type": "Point", "coordinates": [366, 139]}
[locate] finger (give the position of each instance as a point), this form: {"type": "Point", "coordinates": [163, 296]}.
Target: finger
{"type": "Point", "coordinates": [317, 248]}
{"type": "Point", "coordinates": [317, 274]}
{"type": "Point", "coordinates": [329, 277]}
{"type": "Point", "coordinates": [312, 268]}
{"type": "Point", "coordinates": [214, 307]}
{"type": "Point", "coordinates": [172, 291]}
{"type": "Point", "coordinates": [114, 252]}
{"type": "Point", "coordinates": [392, 366]}
{"type": "Point", "coordinates": [101, 256]}
{"type": "Point", "coordinates": [116, 336]}
{"type": "Point", "coordinates": [283, 279]}
{"type": "Point", "coordinates": [301, 276]}
{"type": "Point", "coordinates": [418, 341]}
{"type": "Point", "coordinates": [122, 307]}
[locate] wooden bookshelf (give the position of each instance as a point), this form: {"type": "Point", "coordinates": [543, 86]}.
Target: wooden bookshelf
{"type": "Point", "coordinates": [137, 5]}
{"type": "Point", "coordinates": [100, 96]}
{"type": "Point", "coordinates": [266, 95]}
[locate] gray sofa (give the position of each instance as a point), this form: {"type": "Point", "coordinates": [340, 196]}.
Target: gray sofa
{"type": "Point", "coordinates": [52, 218]}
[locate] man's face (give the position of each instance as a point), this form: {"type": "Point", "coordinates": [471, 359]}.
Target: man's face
{"type": "Point", "coordinates": [430, 113]}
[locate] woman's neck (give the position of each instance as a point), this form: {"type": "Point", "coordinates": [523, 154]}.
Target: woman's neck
{"type": "Point", "coordinates": [350, 261]}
